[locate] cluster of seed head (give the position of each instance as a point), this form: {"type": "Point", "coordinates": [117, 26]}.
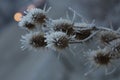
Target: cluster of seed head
{"type": "Point", "coordinates": [44, 32]}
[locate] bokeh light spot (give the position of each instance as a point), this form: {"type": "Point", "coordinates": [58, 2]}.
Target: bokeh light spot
{"type": "Point", "coordinates": [18, 16]}
{"type": "Point", "coordinates": [31, 6]}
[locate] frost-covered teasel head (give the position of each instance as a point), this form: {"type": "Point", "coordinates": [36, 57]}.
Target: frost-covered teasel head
{"type": "Point", "coordinates": [57, 40]}
{"type": "Point", "coordinates": [63, 25]}
{"type": "Point", "coordinates": [100, 59]}
{"type": "Point", "coordinates": [26, 23]}
{"type": "Point", "coordinates": [82, 34]}
{"type": "Point", "coordinates": [115, 44]}
{"type": "Point", "coordinates": [34, 41]}
{"type": "Point", "coordinates": [38, 16]}
{"type": "Point", "coordinates": [105, 37]}
{"type": "Point", "coordinates": [114, 48]}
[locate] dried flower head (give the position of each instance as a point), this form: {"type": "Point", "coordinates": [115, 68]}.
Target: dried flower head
{"type": "Point", "coordinates": [37, 16]}
{"type": "Point", "coordinates": [107, 36]}
{"type": "Point", "coordinates": [34, 40]}
{"type": "Point", "coordinates": [82, 34]}
{"type": "Point", "coordinates": [27, 23]}
{"type": "Point", "coordinates": [100, 57]}
{"type": "Point", "coordinates": [57, 40]}
{"type": "Point", "coordinates": [114, 48]}
{"type": "Point", "coordinates": [115, 45]}
{"type": "Point", "coordinates": [63, 25]}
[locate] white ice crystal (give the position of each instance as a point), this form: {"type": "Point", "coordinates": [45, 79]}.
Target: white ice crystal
{"type": "Point", "coordinates": [83, 25]}
{"type": "Point", "coordinates": [62, 21]}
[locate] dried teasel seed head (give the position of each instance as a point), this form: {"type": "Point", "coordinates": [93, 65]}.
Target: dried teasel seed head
{"type": "Point", "coordinates": [26, 23]}
{"type": "Point", "coordinates": [82, 34]}
{"type": "Point", "coordinates": [34, 40]}
{"type": "Point", "coordinates": [100, 57]}
{"type": "Point", "coordinates": [114, 48]}
{"type": "Point", "coordinates": [115, 45]}
{"type": "Point", "coordinates": [107, 36]}
{"type": "Point", "coordinates": [37, 16]}
{"type": "Point", "coordinates": [29, 26]}
{"type": "Point", "coordinates": [61, 43]}
{"type": "Point", "coordinates": [63, 25]}
{"type": "Point", "coordinates": [57, 40]}
{"type": "Point", "coordinates": [38, 41]}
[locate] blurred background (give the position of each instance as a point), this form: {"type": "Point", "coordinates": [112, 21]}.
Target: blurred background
{"type": "Point", "coordinates": [16, 64]}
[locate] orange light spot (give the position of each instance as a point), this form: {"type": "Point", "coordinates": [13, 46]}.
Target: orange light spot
{"type": "Point", "coordinates": [31, 6]}
{"type": "Point", "coordinates": [18, 16]}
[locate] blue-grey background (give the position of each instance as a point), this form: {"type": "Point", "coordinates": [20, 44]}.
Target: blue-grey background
{"type": "Point", "coordinates": [16, 64]}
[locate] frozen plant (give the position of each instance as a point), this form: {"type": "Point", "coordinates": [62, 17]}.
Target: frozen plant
{"type": "Point", "coordinates": [65, 34]}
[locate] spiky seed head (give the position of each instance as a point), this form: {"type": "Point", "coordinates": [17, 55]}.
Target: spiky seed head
{"type": "Point", "coordinates": [33, 40]}
{"type": "Point", "coordinates": [114, 48]}
{"type": "Point", "coordinates": [57, 40]}
{"type": "Point", "coordinates": [27, 23]}
{"type": "Point", "coordinates": [63, 25]}
{"type": "Point", "coordinates": [82, 34]}
{"type": "Point", "coordinates": [100, 57]}
{"type": "Point", "coordinates": [38, 41]}
{"type": "Point", "coordinates": [30, 26]}
{"type": "Point", "coordinates": [115, 45]}
{"type": "Point", "coordinates": [37, 16]}
{"type": "Point", "coordinates": [61, 43]}
{"type": "Point", "coordinates": [107, 36]}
